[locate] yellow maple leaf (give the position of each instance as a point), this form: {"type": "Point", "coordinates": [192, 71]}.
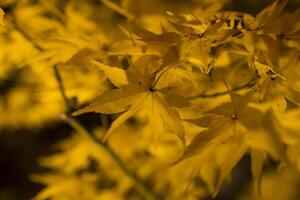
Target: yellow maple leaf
{"type": "Point", "coordinates": [141, 90]}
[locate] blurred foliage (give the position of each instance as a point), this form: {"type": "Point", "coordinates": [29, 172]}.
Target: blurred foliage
{"type": "Point", "coordinates": [155, 99]}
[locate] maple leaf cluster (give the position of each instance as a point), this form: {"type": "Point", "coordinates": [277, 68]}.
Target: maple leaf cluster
{"type": "Point", "coordinates": [181, 98]}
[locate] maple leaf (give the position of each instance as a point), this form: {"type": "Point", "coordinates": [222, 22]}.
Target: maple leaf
{"type": "Point", "coordinates": [268, 15]}
{"type": "Point", "coordinates": [274, 88]}
{"type": "Point", "coordinates": [171, 59]}
{"type": "Point", "coordinates": [267, 140]}
{"type": "Point", "coordinates": [272, 77]}
{"type": "Point", "coordinates": [229, 127]}
{"type": "Point", "coordinates": [234, 128]}
{"type": "Point", "coordinates": [141, 88]}
{"type": "Point", "coordinates": [199, 42]}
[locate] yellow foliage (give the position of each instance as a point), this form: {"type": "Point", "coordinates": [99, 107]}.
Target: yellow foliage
{"type": "Point", "coordinates": [184, 91]}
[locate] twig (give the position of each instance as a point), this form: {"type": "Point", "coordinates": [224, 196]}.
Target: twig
{"type": "Point", "coordinates": [86, 134]}
{"type": "Point", "coordinates": [76, 125]}
{"type": "Point", "coordinates": [61, 88]}
{"type": "Point", "coordinates": [212, 95]}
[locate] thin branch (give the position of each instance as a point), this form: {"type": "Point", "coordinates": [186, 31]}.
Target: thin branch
{"type": "Point", "coordinates": [76, 125]}
{"type": "Point", "coordinates": [212, 95]}
{"type": "Point", "coordinates": [61, 88]}
{"type": "Point", "coordinates": [148, 195]}
{"type": "Point", "coordinates": [144, 191]}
